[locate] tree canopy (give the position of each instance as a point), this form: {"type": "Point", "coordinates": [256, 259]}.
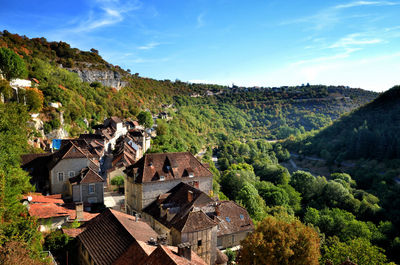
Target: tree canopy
{"type": "Point", "coordinates": [11, 65]}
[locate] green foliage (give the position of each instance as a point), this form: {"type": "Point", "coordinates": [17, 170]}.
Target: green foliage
{"type": "Point", "coordinates": [145, 119]}
{"type": "Point", "coordinates": [56, 241]}
{"type": "Point", "coordinates": [118, 181]}
{"type": "Point", "coordinates": [358, 250]}
{"type": "Point", "coordinates": [248, 196]}
{"type": "Point", "coordinates": [11, 65]}
{"type": "Point", "coordinates": [15, 224]}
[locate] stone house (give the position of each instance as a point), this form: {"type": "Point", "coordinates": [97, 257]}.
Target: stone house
{"type": "Point", "coordinates": [87, 187]}
{"type": "Point", "coordinates": [65, 164]}
{"type": "Point", "coordinates": [156, 174]}
{"type": "Point", "coordinates": [187, 215]}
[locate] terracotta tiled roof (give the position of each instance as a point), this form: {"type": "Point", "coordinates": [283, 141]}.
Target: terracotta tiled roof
{"type": "Point", "coordinates": [232, 218]}
{"type": "Point", "coordinates": [46, 210]}
{"type": "Point", "coordinates": [86, 175]}
{"type": "Point", "coordinates": [110, 234]}
{"type": "Point", "coordinates": [25, 159]}
{"type": "Point", "coordinates": [39, 198]}
{"type": "Point", "coordinates": [116, 119]}
{"type": "Point", "coordinates": [71, 210]}
{"type": "Point", "coordinates": [72, 232]}
{"type": "Point", "coordinates": [170, 165]}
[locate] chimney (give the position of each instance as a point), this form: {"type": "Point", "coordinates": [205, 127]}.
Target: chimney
{"type": "Point", "coordinates": [162, 240]}
{"type": "Point", "coordinates": [79, 211]}
{"type": "Point", "coordinates": [217, 210]}
{"type": "Point", "coordinates": [190, 196]}
{"type": "Point", "coordinates": [185, 251]}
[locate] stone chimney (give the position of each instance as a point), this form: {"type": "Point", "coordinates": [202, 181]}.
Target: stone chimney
{"type": "Point", "coordinates": [79, 211]}
{"type": "Point", "coordinates": [217, 210]}
{"type": "Point", "coordinates": [185, 250]}
{"type": "Point", "coordinates": [190, 196]}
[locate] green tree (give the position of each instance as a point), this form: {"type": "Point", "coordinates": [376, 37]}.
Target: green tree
{"type": "Point", "coordinates": [145, 118]}
{"type": "Point", "coordinates": [118, 181]}
{"type": "Point", "coordinates": [283, 242]}
{"type": "Point", "coordinates": [11, 65]}
{"type": "Point", "coordinates": [248, 196]}
{"type": "Point", "coordinates": [358, 250]}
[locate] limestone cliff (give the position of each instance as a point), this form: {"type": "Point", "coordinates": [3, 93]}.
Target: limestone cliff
{"type": "Point", "coordinates": [107, 77]}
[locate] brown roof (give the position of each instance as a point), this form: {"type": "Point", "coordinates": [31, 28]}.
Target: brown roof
{"type": "Point", "coordinates": [170, 165]}
{"type": "Point", "coordinates": [86, 175]}
{"type": "Point", "coordinates": [232, 218]}
{"type": "Point", "coordinates": [167, 255]}
{"type": "Point", "coordinates": [194, 221]}
{"type": "Point", "coordinates": [221, 257]}
{"type": "Point", "coordinates": [25, 159]}
{"type": "Point", "coordinates": [188, 216]}
{"type": "Point", "coordinates": [116, 119]}
{"type": "Point", "coordinates": [110, 234]}
{"type": "Point", "coordinates": [71, 210]}
{"type": "Point", "coordinates": [69, 150]}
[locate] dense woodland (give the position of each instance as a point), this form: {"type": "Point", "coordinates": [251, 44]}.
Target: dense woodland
{"type": "Point", "coordinates": [351, 214]}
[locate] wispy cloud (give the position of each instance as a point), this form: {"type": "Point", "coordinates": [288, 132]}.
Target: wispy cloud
{"type": "Point", "coordinates": [355, 39]}
{"type": "Point", "coordinates": [333, 15]}
{"type": "Point", "coordinates": [366, 3]}
{"type": "Point", "coordinates": [106, 13]}
{"type": "Point", "coordinates": [149, 46]}
{"type": "Point", "coordinates": [200, 20]}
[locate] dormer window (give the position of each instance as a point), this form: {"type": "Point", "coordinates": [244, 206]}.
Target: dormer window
{"type": "Point", "coordinates": [162, 178]}
{"type": "Point", "coordinates": [168, 168]}
{"type": "Point", "coordinates": [191, 175]}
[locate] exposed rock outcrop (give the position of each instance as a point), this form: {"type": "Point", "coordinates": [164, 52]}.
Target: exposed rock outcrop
{"type": "Point", "coordinates": [109, 78]}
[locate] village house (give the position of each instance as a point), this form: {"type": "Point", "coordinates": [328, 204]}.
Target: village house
{"type": "Point", "coordinates": [121, 239]}
{"type": "Point", "coordinates": [187, 215]}
{"type": "Point", "coordinates": [87, 186]}
{"type": "Point", "coordinates": [155, 174]}
{"type": "Point", "coordinates": [111, 129]}
{"type": "Point", "coordinates": [51, 171]}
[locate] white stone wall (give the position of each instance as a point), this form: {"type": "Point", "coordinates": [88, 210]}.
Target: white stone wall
{"type": "Point", "coordinates": [65, 166]}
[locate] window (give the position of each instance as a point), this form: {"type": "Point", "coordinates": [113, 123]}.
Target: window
{"type": "Point", "coordinates": [91, 188]}
{"type": "Point", "coordinates": [199, 243]}
{"type": "Point", "coordinates": [162, 178]}
{"type": "Point", "coordinates": [71, 174]}
{"type": "Point", "coordinates": [228, 219]}
{"type": "Point", "coordinates": [191, 175]}
{"type": "Point", "coordinates": [242, 217]}
{"type": "Point", "coordinates": [60, 176]}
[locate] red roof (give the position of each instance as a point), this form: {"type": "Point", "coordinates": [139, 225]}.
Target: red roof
{"type": "Point", "coordinates": [72, 232]}
{"type": "Point", "coordinates": [39, 198]}
{"type": "Point", "coordinates": [46, 210]}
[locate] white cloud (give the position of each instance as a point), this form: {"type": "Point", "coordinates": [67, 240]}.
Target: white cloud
{"type": "Point", "coordinates": [366, 3]}
{"type": "Point", "coordinates": [106, 13]}
{"type": "Point", "coordinates": [149, 46]}
{"type": "Point", "coordinates": [354, 39]}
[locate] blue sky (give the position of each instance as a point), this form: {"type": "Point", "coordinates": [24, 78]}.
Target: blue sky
{"type": "Point", "coordinates": [262, 43]}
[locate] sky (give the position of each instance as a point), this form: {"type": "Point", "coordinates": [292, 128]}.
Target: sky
{"type": "Point", "coordinates": [246, 43]}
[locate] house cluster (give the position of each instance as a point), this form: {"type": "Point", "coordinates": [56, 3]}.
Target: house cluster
{"type": "Point", "coordinates": [173, 193]}
{"type": "Point", "coordinates": [81, 168]}
{"type": "Point", "coordinates": [171, 214]}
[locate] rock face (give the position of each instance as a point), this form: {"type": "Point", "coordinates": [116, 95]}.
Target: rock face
{"type": "Point", "coordinates": [106, 77]}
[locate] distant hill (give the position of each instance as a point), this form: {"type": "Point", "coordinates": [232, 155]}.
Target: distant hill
{"type": "Point", "coordinates": [91, 89]}
{"type": "Point", "coordinates": [370, 132]}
